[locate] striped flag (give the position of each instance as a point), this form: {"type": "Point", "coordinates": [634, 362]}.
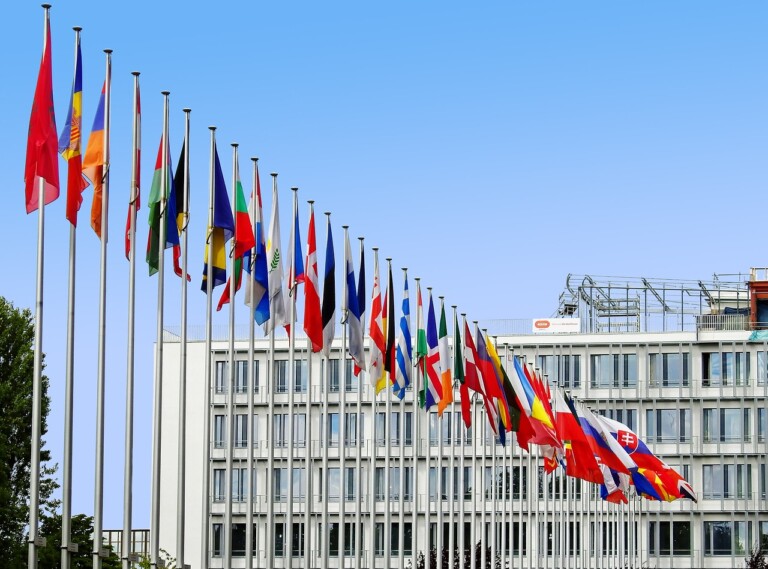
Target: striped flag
{"type": "Point", "coordinates": [329, 294]}
{"type": "Point", "coordinates": [376, 333]}
{"type": "Point", "coordinates": [313, 318]}
{"type": "Point", "coordinates": [356, 349]}
{"type": "Point", "coordinates": [156, 215]}
{"type": "Point", "coordinates": [277, 309]}
{"type": "Point", "coordinates": [361, 301]}
{"type": "Point", "coordinates": [434, 386]}
{"type": "Point", "coordinates": [403, 355]}
{"type": "Point", "coordinates": [421, 347]}
{"type": "Point", "coordinates": [444, 350]}
{"type": "Point", "coordinates": [222, 231]}
{"type": "Point", "coordinates": [69, 143]}
{"type": "Point", "coordinates": [93, 162]}
{"type": "Point", "coordinates": [389, 326]}
{"type": "Point", "coordinates": [255, 261]}
{"type": "Point", "coordinates": [136, 183]}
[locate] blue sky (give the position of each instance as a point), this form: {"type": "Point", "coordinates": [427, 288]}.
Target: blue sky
{"type": "Point", "coordinates": [490, 147]}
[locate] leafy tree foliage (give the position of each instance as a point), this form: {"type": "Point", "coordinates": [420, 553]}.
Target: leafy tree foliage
{"type": "Point", "coordinates": [49, 557]}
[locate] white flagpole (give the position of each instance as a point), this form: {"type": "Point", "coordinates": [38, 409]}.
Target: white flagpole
{"type": "Point", "coordinates": [415, 440]}
{"type": "Point", "coordinates": [387, 440]}
{"type": "Point", "coordinates": [452, 480]}
{"type": "Point", "coordinates": [401, 482]}
{"type": "Point", "coordinates": [374, 444]}
{"type": "Point", "coordinates": [128, 476]}
{"type": "Point", "coordinates": [181, 489]}
{"type": "Point", "coordinates": [158, 410]}
{"type": "Point", "coordinates": [293, 289]}
{"type": "Point", "coordinates": [359, 446]}
{"type": "Point", "coordinates": [208, 347]}
{"type": "Point", "coordinates": [98, 509]}
{"type": "Point", "coordinates": [323, 538]}
{"type": "Point", "coordinates": [66, 485]}
{"type": "Point", "coordinates": [308, 431]}
{"type": "Point", "coordinates": [251, 380]}
{"type": "Point", "coordinates": [228, 485]}
{"type": "Point", "coordinates": [462, 458]}
{"type": "Point", "coordinates": [343, 408]}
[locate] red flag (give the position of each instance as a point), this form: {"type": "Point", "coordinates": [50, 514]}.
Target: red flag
{"type": "Point", "coordinates": [42, 141]}
{"type": "Point", "coordinates": [137, 180]}
{"type": "Point", "coordinates": [313, 318]}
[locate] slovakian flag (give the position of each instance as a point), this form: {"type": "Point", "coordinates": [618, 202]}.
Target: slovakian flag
{"type": "Point", "coordinates": [69, 143]}
{"type": "Point", "coordinates": [277, 309]}
{"type": "Point", "coordinates": [444, 352]}
{"type": "Point", "coordinates": [376, 332]}
{"type": "Point", "coordinates": [222, 230]}
{"type": "Point", "coordinates": [93, 162]}
{"type": "Point", "coordinates": [329, 293]}
{"type": "Point", "coordinates": [356, 349]}
{"type": "Point", "coordinates": [255, 260]}
{"type": "Point", "coordinates": [313, 317]}
{"type": "Point", "coordinates": [136, 182]}
{"type": "Point", "coordinates": [244, 240]}
{"type": "Point", "coordinates": [42, 142]}
{"type": "Point", "coordinates": [434, 386]}
{"type": "Point", "coordinates": [403, 354]}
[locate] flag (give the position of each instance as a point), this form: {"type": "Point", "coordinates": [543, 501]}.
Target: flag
{"type": "Point", "coordinates": [313, 318]}
{"type": "Point", "coordinates": [361, 300]}
{"type": "Point", "coordinates": [403, 353]}
{"type": "Point", "coordinates": [421, 346]}
{"type": "Point", "coordinates": [491, 385]}
{"type": "Point", "coordinates": [93, 162]}
{"type": "Point", "coordinates": [444, 349]}
{"type": "Point", "coordinates": [376, 333]}
{"type": "Point", "coordinates": [255, 261]}
{"type": "Point", "coordinates": [42, 144]}
{"type": "Point", "coordinates": [69, 143]}
{"type": "Point", "coordinates": [156, 214]}
{"type": "Point", "coordinates": [277, 309]}
{"type": "Point", "coordinates": [459, 372]}
{"type": "Point", "coordinates": [389, 326]}
{"type": "Point", "coordinates": [178, 222]}
{"type": "Point", "coordinates": [356, 349]}
{"type": "Point", "coordinates": [222, 230]}
{"type": "Point", "coordinates": [296, 260]}
{"type": "Point", "coordinates": [244, 240]}
{"type": "Point", "coordinates": [537, 412]}
{"type": "Point", "coordinates": [136, 183]}
{"type": "Point", "coordinates": [579, 459]}
{"type": "Point", "coordinates": [434, 388]}
{"type": "Point", "coordinates": [329, 294]}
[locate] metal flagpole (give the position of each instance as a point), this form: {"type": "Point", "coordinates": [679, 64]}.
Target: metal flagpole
{"type": "Point", "coordinates": [401, 482]}
{"type": "Point", "coordinates": [293, 290]}
{"type": "Point", "coordinates": [359, 443]}
{"type": "Point", "coordinates": [251, 378]}
{"type": "Point", "coordinates": [309, 463]}
{"type": "Point", "coordinates": [439, 474]}
{"type": "Point", "coordinates": [66, 485]}
{"type": "Point", "coordinates": [388, 439]}
{"type": "Point", "coordinates": [158, 411]}
{"type": "Point", "coordinates": [415, 440]}
{"type": "Point", "coordinates": [374, 442]}
{"type": "Point", "coordinates": [228, 485]}
{"type": "Point", "coordinates": [98, 509]}
{"type": "Point", "coordinates": [452, 481]}
{"type": "Point", "coordinates": [181, 489]}
{"type": "Point", "coordinates": [323, 538]}
{"type": "Point", "coordinates": [473, 531]}
{"type": "Point", "coordinates": [208, 347]}
{"type": "Point", "coordinates": [343, 409]}
{"type": "Point", "coordinates": [126, 553]}
{"type": "Point", "coordinates": [463, 432]}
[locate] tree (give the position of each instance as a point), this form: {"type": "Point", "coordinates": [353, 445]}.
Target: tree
{"type": "Point", "coordinates": [170, 562]}
{"type": "Point", "coordinates": [49, 557]}
{"type": "Point", "coordinates": [756, 558]}
{"type": "Point", "coordinates": [460, 562]}
{"type": "Point", "coordinates": [16, 378]}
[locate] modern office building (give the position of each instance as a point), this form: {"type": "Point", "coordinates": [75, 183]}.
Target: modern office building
{"type": "Point", "coordinates": [340, 478]}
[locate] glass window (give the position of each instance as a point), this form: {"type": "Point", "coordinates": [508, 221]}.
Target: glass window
{"type": "Point", "coordinates": [349, 539]}
{"type": "Point", "coordinates": [726, 425]}
{"type": "Point", "coordinates": [333, 540]}
{"type": "Point", "coordinates": [725, 368]}
{"type": "Point", "coordinates": [432, 483]}
{"type": "Point", "coordinates": [670, 370]}
{"type": "Point", "coordinates": [669, 538]}
{"type": "Point", "coordinates": [350, 429]}
{"type": "Point", "coordinates": [446, 430]}
{"type": "Point", "coordinates": [379, 544]}
{"type": "Point", "coordinates": [280, 484]}
{"type": "Point", "coordinates": [333, 375]}
{"type": "Point", "coordinates": [239, 484]}
{"type": "Point", "coordinates": [350, 380]}
{"type": "Point", "coordinates": [408, 427]}
{"type": "Point", "coordinates": [668, 425]}
{"type": "Point", "coordinates": [216, 539]}
{"type": "Point", "coordinates": [394, 483]}
{"type": "Point", "coordinates": [614, 370]}
{"type": "Point", "coordinates": [281, 376]}
{"type": "Point", "coordinates": [300, 376]}
{"type": "Point", "coordinates": [468, 482]}
{"type": "Point", "coordinates": [394, 428]}
{"type": "Point", "coordinates": [727, 481]}
{"type": "Point", "coordinates": [241, 376]}
{"type": "Point", "coordinates": [241, 430]}
{"type": "Point", "coordinates": [408, 483]}
{"type": "Point", "coordinates": [238, 540]}
{"type": "Point", "coordinates": [334, 484]}
{"type": "Point", "coordinates": [299, 483]}
{"type": "Point", "coordinates": [378, 483]}
{"type": "Point", "coordinates": [297, 540]}
{"type": "Point", "coordinates": [561, 370]}
{"type": "Point", "coordinates": [219, 431]}
{"type": "Point", "coordinates": [519, 481]}
{"type": "Point", "coordinates": [221, 377]}
{"type": "Point", "coordinates": [218, 484]}
{"type": "Point", "coordinates": [394, 538]}
{"type": "Point", "coordinates": [279, 539]}
{"type": "Point", "coordinates": [726, 538]}
{"type": "Point", "coordinates": [299, 429]}
{"type": "Point", "coordinates": [255, 422]}
{"type": "Point", "coordinates": [333, 430]}
{"type": "Point", "coordinates": [433, 428]}
{"type": "Point", "coordinates": [381, 418]}
{"type": "Point", "coordinates": [349, 484]}
{"type": "Point", "coordinates": [256, 379]}
{"type": "Point", "coordinates": [762, 367]}
{"type": "Point", "coordinates": [280, 430]}
{"type": "Point", "coordinates": [626, 416]}
{"type": "Point", "coordinates": [763, 536]}
{"type": "Point", "coordinates": [762, 426]}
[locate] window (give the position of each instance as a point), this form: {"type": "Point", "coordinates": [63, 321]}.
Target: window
{"type": "Point", "coordinates": [519, 481]}
{"type": "Point", "coordinates": [614, 370]}
{"type": "Point", "coordinates": [297, 540]}
{"type": "Point", "coordinates": [349, 484]}
{"type": "Point", "coordinates": [726, 538]}
{"type": "Point", "coordinates": [349, 539]}
{"type": "Point", "coordinates": [444, 487]}
{"type": "Point", "coordinates": [725, 368]}
{"type": "Point", "coordinates": [408, 538]}
{"type": "Point", "coordinates": [281, 376]}
{"type": "Point", "coordinates": [380, 428]}
{"type": "Point", "coordinates": [726, 425]}
{"type": "Point", "coordinates": [670, 370]}
{"type": "Point", "coordinates": [394, 483]}
{"type": "Point", "coordinates": [279, 539]}
{"type": "Point", "coordinates": [433, 428]}
{"type": "Point", "coordinates": [563, 371]}
{"type": "Point", "coordinates": [219, 431]}
{"type": "Point", "coordinates": [300, 376]}
{"type": "Point", "coordinates": [333, 540]}
{"type": "Point", "coordinates": [299, 483]}
{"type": "Point", "coordinates": [241, 430]}
{"type": "Point", "coordinates": [333, 375]}
{"type": "Point", "coordinates": [239, 484]}
{"type": "Point", "coordinates": [408, 483]}
{"type": "Point", "coordinates": [280, 430]}
{"type": "Point", "coordinates": [520, 538]}
{"type": "Point", "coordinates": [408, 428]}
{"type": "Point", "coordinates": [334, 486]}
{"type": "Point", "coordinates": [255, 422]}
{"type": "Point", "coordinates": [762, 368]}
{"type": "Point", "coordinates": [394, 538]}
{"type": "Point", "coordinates": [432, 483]}
{"type": "Point", "coordinates": [727, 481]}
{"type": "Point", "coordinates": [446, 428]}
{"type": "Point", "coordinates": [280, 484]}
{"type": "Point", "coordinates": [763, 535]}
{"type": "Point", "coordinates": [241, 376]}
{"type": "Point", "coordinates": [626, 416]}
{"type": "Point", "coordinates": [394, 428]}
{"type": "Point", "coordinates": [350, 428]}
{"type": "Point", "coordinates": [299, 429]}
{"type": "Point", "coordinates": [216, 536]}
{"type": "Point", "coordinates": [763, 481]}
{"type": "Point", "coordinates": [761, 424]}
{"type": "Point", "coordinates": [333, 430]}
{"type": "Point", "coordinates": [668, 425]}
{"type": "Point", "coordinates": [379, 539]}
{"type": "Point", "coordinates": [468, 482]}
{"type": "Point", "coordinates": [238, 540]}
{"type": "Point", "coordinates": [219, 481]}
{"type": "Point", "coordinates": [378, 484]}
{"type": "Point", "coordinates": [255, 380]}
{"type": "Point", "coordinates": [221, 377]}
{"type": "Point", "coordinates": [350, 381]}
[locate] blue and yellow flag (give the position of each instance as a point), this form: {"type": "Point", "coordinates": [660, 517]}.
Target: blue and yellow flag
{"type": "Point", "coordinates": [222, 231]}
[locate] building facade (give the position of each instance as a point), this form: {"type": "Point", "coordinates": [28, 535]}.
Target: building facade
{"type": "Point", "coordinates": [296, 449]}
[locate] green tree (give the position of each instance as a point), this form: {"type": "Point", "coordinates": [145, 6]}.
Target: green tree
{"type": "Point", "coordinates": [16, 377]}
{"type": "Point", "coordinates": [170, 562]}
{"type": "Point", "coordinates": [49, 557]}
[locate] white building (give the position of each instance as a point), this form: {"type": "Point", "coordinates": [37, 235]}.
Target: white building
{"type": "Point", "coordinates": [684, 364]}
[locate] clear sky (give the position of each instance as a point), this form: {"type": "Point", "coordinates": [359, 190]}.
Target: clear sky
{"type": "Point", "coordinates": [490, 147]}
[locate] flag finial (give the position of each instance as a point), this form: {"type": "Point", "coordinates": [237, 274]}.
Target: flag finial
{"type": "Point", "coordinates": [108, 51]}
{"type": "Point", "coordinates": [46, 6]}
{"type": "Point", "coordinates": [273, 174]}
{"type": "Point", "coordinates": [212, 128]}
{"type": "Point", "coordinates": [187, 110]}
{"type": "Point", "coordinates": [255, 158]}
{"type": "Point", "coordinates": [295, 189]}
{"type": "Point", "coordinates": [77, 28]}
{"type": "Point", "coordinates": [135, 73]}
{"type": "Point", "coordinates": [310, 202]}
{"type": "Point", "coordinates": [345, 226]}
{"type": "Point", "coordinates": [234, 144]}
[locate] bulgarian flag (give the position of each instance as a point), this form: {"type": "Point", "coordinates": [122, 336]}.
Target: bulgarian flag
{"type": "Point", "coordinates": [244, 239]}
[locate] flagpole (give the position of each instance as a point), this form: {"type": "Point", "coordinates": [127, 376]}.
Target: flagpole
{"type": "Point", "coordinates": [100, 374]}
{"type": "Point", "coordinates": [343, 408]}
{"type": "Point", "coordinates": [462, 456]}
{"type": "Point", "coordinates": [451, 472]}
{"type": "Point", "coordinates": [308, 423]}
{"type": "Point", "coordinates": [293, 289]}
{"type": "Point", "coordinates": [439, 473]}
{"type": "Point", "coordinates": [66, 486]}
{"type": "Point", "coordinates": [208, 348]}
{"type": "Point", "coordinates": [427, 520]}
{"type": "Point", "coordinates": [372, 490]}
{"type": "Point", "coordinates": [359, 437]}
{"type": "Point", "coordinates": [129, 384]}
{"type": "Point", "coordinates": [414, 448]}
{"type": "Point", "coordinates": [181, 489]}
{"type": "Point", "coordinates": [401, 443]}
{"type": "Point", "coordinates": [227, 553]}
{"type": "Point", "coordinates": [158, 411]}
{"type": "Point", "coordinates": [387, 439]}
{"type": "Point", "coordinates": [251, 377]}
{"type": "Point", "coordinates": [324, 429]}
